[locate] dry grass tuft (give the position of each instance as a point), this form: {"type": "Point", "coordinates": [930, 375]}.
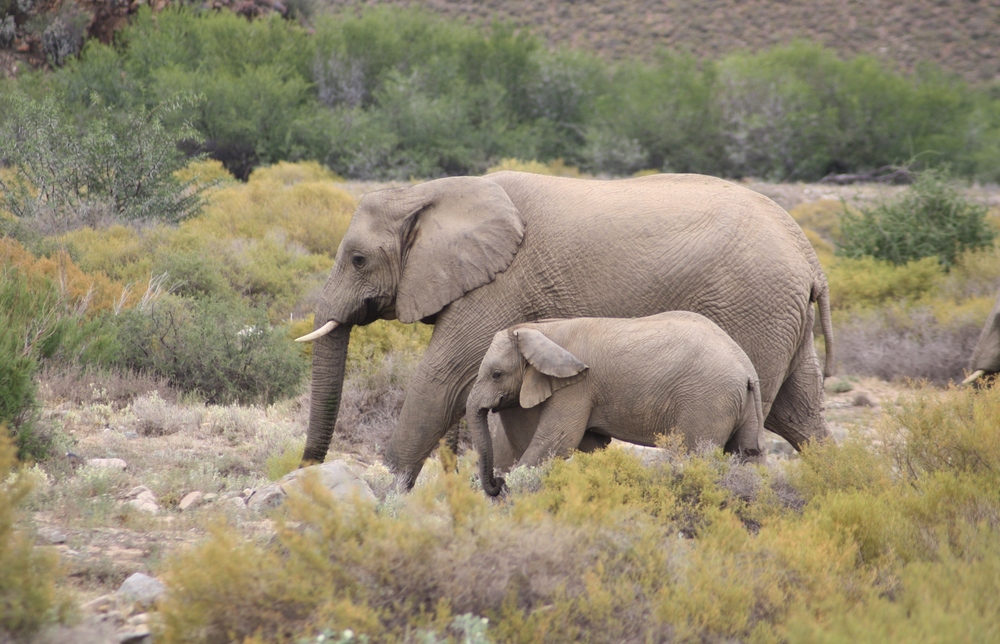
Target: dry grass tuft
{"type": "Point", "coordinates": [80, 386]}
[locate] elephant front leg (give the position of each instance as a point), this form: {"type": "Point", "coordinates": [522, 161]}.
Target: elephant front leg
{"type": "Point", "coordinates": [431, 407]}
{"type": "Point", "coordinates": [561, 427]}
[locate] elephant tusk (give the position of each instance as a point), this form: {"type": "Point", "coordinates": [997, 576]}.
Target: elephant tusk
{"type": "Point", "coordinates": [974, 376]}
{"type": "Point", "coordinates": [318, 333]}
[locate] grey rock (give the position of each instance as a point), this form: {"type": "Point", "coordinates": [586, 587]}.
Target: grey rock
{"type": "Point", "coordinates": [236, 502]}
{"type": "Point", "coordinates": [336, 476]}
{"type": "Point", "coordinates": [51, 536]}
{"type": "Point", "coordinates": [190, 500]}
{"type": "Point", "coordinates": [141, 589]}
{"type": "Point", "coordinates": [138, 635]}
{"type": "Point", "coordinates": [145, 501]}
{"type": "Point", "coordinates": [131, 434]}
{"type": "Point", "coordinates": [211, 496]}
{"type": "Point", "coordinates": [108, 463]}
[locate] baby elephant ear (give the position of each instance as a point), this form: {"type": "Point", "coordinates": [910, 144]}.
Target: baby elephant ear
{"type": "Point", "coordinates": [550, 367]}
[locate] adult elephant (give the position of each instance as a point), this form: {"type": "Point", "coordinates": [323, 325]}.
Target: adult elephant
{"type": "Point", "coordinates": [986, 356]}
{"type": "Point", "coordinates": [474, 255]}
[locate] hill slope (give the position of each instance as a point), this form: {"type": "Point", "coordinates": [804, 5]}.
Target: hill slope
{"type": "Point", "coordinates": [960, 35]}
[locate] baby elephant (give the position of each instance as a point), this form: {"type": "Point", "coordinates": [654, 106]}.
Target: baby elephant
{"type": "Point", "coordinates": [632, 379]}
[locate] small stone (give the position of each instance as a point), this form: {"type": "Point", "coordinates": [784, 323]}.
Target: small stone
{"type": "Point", "coordinates": [211, 496]}
{"type": "Point", "coordinates": [145, 501]}
{"type": "Point", "coordinates": [138, 635]}
{"type": "Point", "coordinates": [51, 536]}
{"type": "Point", "coordinates": [100, 605]}
{"type": "Point", "coordinates": [191, 500]}
{"type": "Point", "coordinates": [237, 502]}
{"type": "Point", "coordinates": [131, 434]}
{"type": "Point", "coordinates": [247, 493]}
{"type": "Point", "coordinates": [336, 476]}
{"type": "Point", "coordinates": [107, 463]}
{"type": "Point", "coordinates": [141, 589]}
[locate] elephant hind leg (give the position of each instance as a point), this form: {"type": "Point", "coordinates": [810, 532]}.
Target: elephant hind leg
{"type": "Point", "coordinates": [797, 412]}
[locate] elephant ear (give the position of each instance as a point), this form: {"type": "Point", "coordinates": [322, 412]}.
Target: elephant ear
{"type": "Point", "coordinates": [464, 231]}
{"type": "Point", "coordinates": [550, 367]}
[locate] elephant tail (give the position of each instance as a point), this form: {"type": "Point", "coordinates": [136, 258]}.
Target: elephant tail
{"type": "Point", "coordinates": [753, 387]}
{"type": "Point", "coordinates": [821, 295]}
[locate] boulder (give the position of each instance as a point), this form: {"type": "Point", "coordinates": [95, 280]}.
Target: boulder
{"type": "Point", "coordinates": [142, 498]}
{"type": "Point", "coordinates": [336, 476]}
{"type": "Point", "coordinates": [190, 500]}
{"type": "Point", "coordinates": [141, 589]}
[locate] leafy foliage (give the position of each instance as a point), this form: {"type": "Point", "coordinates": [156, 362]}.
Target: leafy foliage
{"type": "Point", "coordinates": [40, 322]}
{"type": "Point", "coordinates": [116, 169]}
{"type": "Point", "coordinates": [220, 349]}
{"type": "Point", "coordinates": [27, 587]}
{"type": "Point", "coordinates": [394, 93]}
{"type": "Point", "coordinates": [931, 219]}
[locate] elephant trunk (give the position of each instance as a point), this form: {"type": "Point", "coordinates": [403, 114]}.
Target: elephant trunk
{"type": "Point", "coordinates": [484, 445]}
{"type": "Point", "coordinates": [329, 360]}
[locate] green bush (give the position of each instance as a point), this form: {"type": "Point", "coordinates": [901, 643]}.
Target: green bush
{"type": "Point", "coordinates": [220, 349]}
{"type": "Point", "coordinates": [385, 92]}
{"type": "Point", "coordinates": [116, 168]}
{"type": "Point", "coordinates": [36, 324]}
{"type": "Point", "coordinates": [930, 219]}
{"type": "Point", "coordinates": [28, 591]}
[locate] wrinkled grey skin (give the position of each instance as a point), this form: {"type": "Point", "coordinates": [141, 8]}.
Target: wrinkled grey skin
{"type": "Point", "coordinates": [475, 255]}
{"type": "Point", "coordinates": [554, 381]}
{"type": "Point", "coordinates": [986, 355]}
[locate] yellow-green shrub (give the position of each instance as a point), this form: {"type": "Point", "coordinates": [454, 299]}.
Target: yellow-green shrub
{"type": "Point", "coordinates": [120, 252]}
{"type": "Point", "coordinates": [867, 282]}
{"type": "Point", "coordinates": [205, 173]}
{"type": "Point", "coordinates": [822, 216]}
{"type": "Point", "coordinates": [90, 292]}
{"type": "Point", "coordinates": [299, 203]}
{"type": "Point", "coordinates": [609, 549]}
{"type": "Point", "coordinates": [28, 595]}
{"type": "Point", "coordinates": [556, 168]}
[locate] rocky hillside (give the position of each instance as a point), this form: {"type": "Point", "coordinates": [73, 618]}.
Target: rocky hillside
{"type": "Point", "coordinates": [960, 35]}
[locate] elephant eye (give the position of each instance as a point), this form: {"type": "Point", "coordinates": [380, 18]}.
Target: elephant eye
{"type": "Point", "coordinates": [497, 375]}
{"type": "Point", "coordinates": [358, 261]}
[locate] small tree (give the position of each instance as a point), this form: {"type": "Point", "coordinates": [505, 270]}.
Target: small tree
{"type": "Point", "coordinates": [120, 168]}
{"type": "Point", "coordinates": [930, 219]}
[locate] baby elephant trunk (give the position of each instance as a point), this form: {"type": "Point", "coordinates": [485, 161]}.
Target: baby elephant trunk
{"type": "Point", "coordinates": [484, 445]}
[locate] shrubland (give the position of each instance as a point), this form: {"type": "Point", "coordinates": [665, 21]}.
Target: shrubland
{"type": "Point", "coordinates": [28, 592]}
{"type": "Point", "coordinates": [863, 537]}
{"type": "Point", "coordinates": [202, 304]}
{"type": "Point", "coordinates": [912, 277]}
{"type": "Point", "coordinates": [390, 93]}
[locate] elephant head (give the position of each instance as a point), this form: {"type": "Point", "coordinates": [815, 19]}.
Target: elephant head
{"type": "Point", "coordinates": [986, 355]}
{"type": "Point", "coordinates": [522, 368]}
{"type": "Point", "coordinates": [407, 254]}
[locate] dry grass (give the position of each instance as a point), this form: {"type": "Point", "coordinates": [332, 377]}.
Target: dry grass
{"type": "Point", "coordinates": [906, 343]}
